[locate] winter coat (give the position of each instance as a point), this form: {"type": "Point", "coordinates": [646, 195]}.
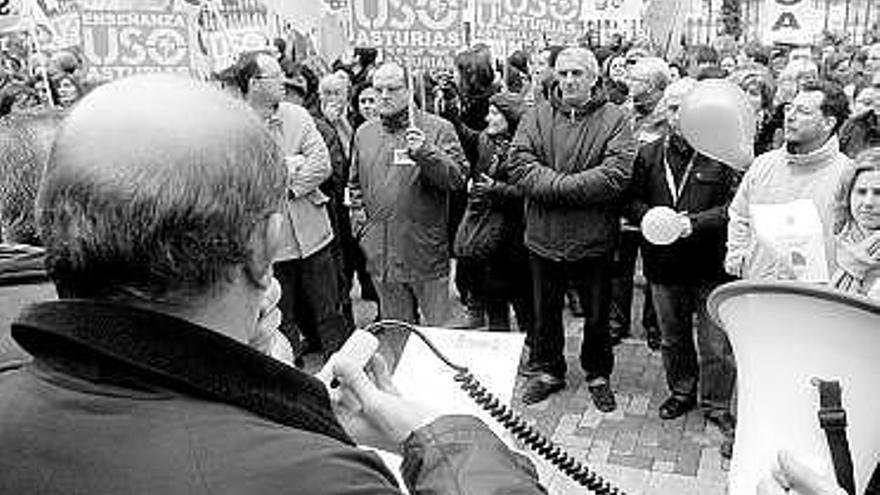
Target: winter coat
{"type": "Point", "coordinates": [307, 229]}
{"type": "Point", "coordinates": [406, 235]}
{"type": "Point", "coordinates": [187, 410]}
{"type": "Point", "coordinates": [705, 196]}
{"type": "Point", "coordinates": [573, 165]}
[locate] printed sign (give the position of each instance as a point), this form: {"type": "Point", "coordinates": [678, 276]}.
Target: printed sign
{"type": "Point", "coordinates": [423, 34]}
{"type": "Point", "coordinates": [792, 21]}
{"type": "Point", "coordinates": [224, 46]}
{"type": "Point", "coordinates": [10, 15]}
{"type": "Point", "coordinates": [122, 43]}
{"type": "Point", "coordinates": [528, 21]}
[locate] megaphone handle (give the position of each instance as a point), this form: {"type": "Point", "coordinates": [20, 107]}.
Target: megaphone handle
{"type": "Point", "coordinates": [832, 419]}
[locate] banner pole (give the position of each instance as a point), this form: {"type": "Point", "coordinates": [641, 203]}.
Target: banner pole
{"type": "Point", "coordinates": [32, 32]}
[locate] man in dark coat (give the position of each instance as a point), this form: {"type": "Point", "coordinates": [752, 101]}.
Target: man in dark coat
{"type": "Point", "coordinates": [668, 172]}
{"type": "Point", "coordinates": [161, 212]}
{"type": "Point", "coordinates": [572, 156]}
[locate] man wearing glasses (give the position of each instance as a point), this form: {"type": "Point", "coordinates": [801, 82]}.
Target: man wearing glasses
{"type": "Point", "coordinates": [306, 267]}
{"type": "Point", "coordinates": [404, 164]}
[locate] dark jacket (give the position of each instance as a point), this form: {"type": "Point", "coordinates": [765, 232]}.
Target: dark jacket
{"type": "Point", "coordinates": [860, 133]}
{"type": "Point", "coordinates": [122, 400]}
{"type": "Point", "coordinates": [406, 235]}
{"type": "Point", "coordinates": [705, 196]}
{"type": "Point", "coordinates": [572, 165]}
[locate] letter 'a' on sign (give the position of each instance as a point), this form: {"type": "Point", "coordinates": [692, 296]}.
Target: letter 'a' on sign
{"type": "Point", "coordinates": [786, 21]}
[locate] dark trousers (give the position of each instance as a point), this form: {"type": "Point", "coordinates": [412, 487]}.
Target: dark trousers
{"type": "Point", "coordinates": [591, 277]}
{"type": "Point", "coordinates": [623, 286]}
{"type": "Point", "coordinates": [310, 304]}
{"type": "Point", "coordinates": [709, 365]}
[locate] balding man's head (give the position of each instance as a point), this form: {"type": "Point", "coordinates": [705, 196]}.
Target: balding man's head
{"type": "Point", "coordinates": [154, 187]}
{"type": "Point", "coordinates": [577, 71]}
{"type": "Point", "coordinates": [390, 82]}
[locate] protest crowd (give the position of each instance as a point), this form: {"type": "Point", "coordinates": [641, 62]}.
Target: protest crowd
{"type": "Point", "coordinates": [495, 194]}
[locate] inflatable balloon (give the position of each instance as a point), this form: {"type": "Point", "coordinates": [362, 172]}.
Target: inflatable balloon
{"type": "Point", "coordinates": [717, 120]}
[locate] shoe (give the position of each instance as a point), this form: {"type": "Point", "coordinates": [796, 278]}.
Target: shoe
{"type": "Point", "coordinates": [603, 397]}
{"type": "Point", "coordinates": [540, 386]}
{"type": "Point", "coordinates": [529, 369]}
{"type": "Point", "coordinates": [725, 422]}
{"type": "Point", "coordinates": [674, 407]}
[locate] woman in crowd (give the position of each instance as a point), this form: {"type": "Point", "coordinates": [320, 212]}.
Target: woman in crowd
{"type": "Point", "coordinates": [501, 279]}
{"type": "Point", "coordinates": [66, 90]}
{"type": "Point", "coordinates": [475, 78]}
{"type": "Point", "coordinates": [759, 90]}
{"type": "Point", "coordinates": [363, 104]}
{"type": "Point", "coordinates": [857, 227]}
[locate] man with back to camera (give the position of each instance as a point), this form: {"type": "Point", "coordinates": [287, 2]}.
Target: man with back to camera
{"type": "Point", "coordinates": [144, 378]}
{"type": "Point", "coordinates": [572, 156]}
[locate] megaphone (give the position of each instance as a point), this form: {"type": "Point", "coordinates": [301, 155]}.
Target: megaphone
{"type": "Point", "coordinates": [785, 336]}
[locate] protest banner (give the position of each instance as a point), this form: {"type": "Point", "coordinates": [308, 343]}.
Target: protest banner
{"type": "Point", "coordinates": [422, 35]}
{"type": "Point", "coordinates": [664, 21]}
{"type": "Point", "coordinates": [527, 22]}
{"type": "Point", "coordinates": [795, 22]}
{"type": "Point", "coordinates": [122, 43]}
{"type": "Point", "coordinates": [609, 17]}
{"type": "Point", "coordinates": [10, 15]}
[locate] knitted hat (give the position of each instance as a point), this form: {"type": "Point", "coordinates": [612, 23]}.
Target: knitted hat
{"type": "Point", "coordinates": [510, 105]}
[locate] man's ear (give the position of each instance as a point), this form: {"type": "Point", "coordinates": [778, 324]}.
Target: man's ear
{"type": "Point", "coordinates": [267, 241]}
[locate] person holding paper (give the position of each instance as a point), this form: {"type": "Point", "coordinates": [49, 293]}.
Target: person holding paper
{"type": "Point", "coordinates": [857, 227]}
{"type": "Point", "coordinates": [162, 213]}
{"type": "Point", "coordinates": [404, 165]}
{"type": "Point", "coordinates": [781, 217]}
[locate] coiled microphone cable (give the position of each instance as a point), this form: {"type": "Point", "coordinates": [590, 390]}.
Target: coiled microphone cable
{"type": "Point", "coordinates": [512, 421]}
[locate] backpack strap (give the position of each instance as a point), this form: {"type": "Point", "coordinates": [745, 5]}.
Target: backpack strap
{"type": "Point", "coordinates": [832, 419]}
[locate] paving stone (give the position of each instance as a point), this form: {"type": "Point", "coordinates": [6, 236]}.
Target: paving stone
{"type": "Point", "coordinates": [663, 466]}
{"type": "Point", "coordinates": [639, 404]}
{"type": "Point", "coordinates": [590, 419]}
{"type": "Point", "coordinates": [630, 460]}
{"type": "Point", "coordinates": [567, 424]}
{"type": "Point", "coordinates": [599, 452]}
{"type": "Point", "coordinates": [624, 442]}
{"type": "Point", "coordinates": [656, 453]}
{"type": "Point", "coordinates": [688, 460]}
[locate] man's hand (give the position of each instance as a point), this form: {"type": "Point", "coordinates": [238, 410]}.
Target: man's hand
{"type": "Point", "coordinates": [267, 338]}
{"type": "Point", "coordinates": [415, 139]}
{"type": "Point", "coordinates": [687, 225]}
{"type": "Point", "coordinates": [372, 410]}
{"type": "Point", "coordinates": [794, 477]}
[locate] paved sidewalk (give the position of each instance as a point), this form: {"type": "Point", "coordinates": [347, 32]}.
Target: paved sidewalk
{"type": "Point", "coordinates": [631, 447]}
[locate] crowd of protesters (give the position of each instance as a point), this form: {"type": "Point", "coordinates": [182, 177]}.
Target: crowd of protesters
{"type": "Point", "coordinates": [522, 182]}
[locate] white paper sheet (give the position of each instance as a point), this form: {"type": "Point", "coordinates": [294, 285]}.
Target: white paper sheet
{"type": "Point", "coordinates": [794, 231]}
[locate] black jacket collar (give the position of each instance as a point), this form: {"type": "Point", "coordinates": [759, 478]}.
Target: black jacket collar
{"type": "Point", "coordinates": [179, 355]}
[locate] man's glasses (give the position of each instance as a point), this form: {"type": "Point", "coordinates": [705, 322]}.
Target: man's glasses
{"type": "Point", "coordinates": [389, 89]}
